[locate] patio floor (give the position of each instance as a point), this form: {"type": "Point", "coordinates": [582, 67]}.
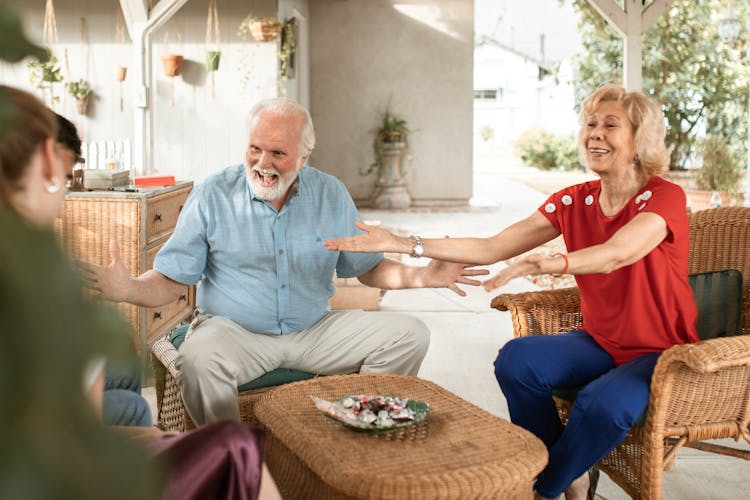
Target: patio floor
{"type": "Point", "coordinates": [466, 333]}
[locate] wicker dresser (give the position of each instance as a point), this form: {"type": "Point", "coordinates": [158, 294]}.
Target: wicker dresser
{"type": "Point", "coordinates": [141, 223]}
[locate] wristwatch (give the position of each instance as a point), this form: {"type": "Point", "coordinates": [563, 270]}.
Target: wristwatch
{"type": "Point", "coordinates": [417, 249]}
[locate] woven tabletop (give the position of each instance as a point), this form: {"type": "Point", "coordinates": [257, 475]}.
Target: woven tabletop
{"type": "Point", "coordinates": [458, 451]}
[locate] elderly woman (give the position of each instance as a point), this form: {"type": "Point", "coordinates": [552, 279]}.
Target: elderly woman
{"type": "Point", "coordinates": [627, 240]}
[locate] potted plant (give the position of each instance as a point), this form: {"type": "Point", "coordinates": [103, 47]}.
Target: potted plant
{"type": "Point", "coordinates": [262, 29]}
{"type": "Point", "coordinates": [212, 60]}
{"type": "Point", "coordinates": [718, 179]}
{"type": "Point", "coordinates": [172, 64]}
{"type": "Point", "coordinates": [81, 91]}
{"type": "Point", "coordinates": [390, 145]}
{"type": "Point", "coordinates": [44, 75]}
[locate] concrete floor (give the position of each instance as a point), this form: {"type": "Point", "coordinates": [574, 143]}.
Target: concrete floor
{"type": "Point", "coordinates": [466, 333]}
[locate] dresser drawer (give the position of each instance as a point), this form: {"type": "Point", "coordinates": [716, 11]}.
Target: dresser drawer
{"type": "Point", "coordinates": [158, 318]}
{"type": "Point", "coordinates": [162, 213]}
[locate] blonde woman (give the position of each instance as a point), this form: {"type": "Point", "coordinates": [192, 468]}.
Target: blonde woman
{"type": "Point", "coordinates": [627, 246]}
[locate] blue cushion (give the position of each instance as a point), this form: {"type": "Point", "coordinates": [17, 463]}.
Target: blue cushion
{"type": "Point", "coordinates": [718, 297]}
{"type": "Point", "coordinates": [273, 378]}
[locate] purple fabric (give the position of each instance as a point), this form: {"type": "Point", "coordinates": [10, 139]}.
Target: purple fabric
{"type": "Point", "coordinates": [222, 460]}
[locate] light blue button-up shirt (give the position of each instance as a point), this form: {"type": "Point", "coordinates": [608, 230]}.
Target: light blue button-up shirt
{"type": "Point", "coordinates": [268, 271]}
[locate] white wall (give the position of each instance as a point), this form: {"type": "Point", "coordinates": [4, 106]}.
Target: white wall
{"type": "Point", "coordinates": [198, 135]}
{"type": "Point", "coordinates": [419, 55]}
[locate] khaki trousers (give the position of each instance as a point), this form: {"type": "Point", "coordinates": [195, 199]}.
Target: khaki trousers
{"type": "Point", "coordinates": [218, 355]}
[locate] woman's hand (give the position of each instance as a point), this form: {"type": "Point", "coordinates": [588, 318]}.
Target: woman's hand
{"type": "Point", "coordinates": [375, 239]}
{"type": "Point", "coordinates": [531, 264]}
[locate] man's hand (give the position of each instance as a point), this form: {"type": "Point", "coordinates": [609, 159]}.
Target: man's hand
{"type": "Point", "coordinates": [441, 274]}
{"type": "Point", "coordinates": [525, 266]}
{"type": "Point", "coordinates": [113, 281]}
{"type": "Point", "coordinates": [375, 239]}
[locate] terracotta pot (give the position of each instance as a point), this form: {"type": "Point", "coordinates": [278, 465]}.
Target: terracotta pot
{"type": "Point", "coordinates": [264, 30]}
{"type": "Point", "coordinates": [120, 73]}
{"type": "Point", "coordinates": [212, 60]}
{"type": "Point", "coordinates": [172, 64]}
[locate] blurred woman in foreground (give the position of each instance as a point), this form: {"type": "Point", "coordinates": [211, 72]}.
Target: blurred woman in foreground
{"type": "Point", "coordinates": [53, 445]}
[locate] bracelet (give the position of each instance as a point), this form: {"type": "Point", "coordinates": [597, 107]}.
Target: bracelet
{"type": "Point", "coordinates": [565, 269]}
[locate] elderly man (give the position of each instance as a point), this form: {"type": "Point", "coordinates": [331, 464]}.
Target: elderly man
{"type": "Point", "coordinates": [252, 236]}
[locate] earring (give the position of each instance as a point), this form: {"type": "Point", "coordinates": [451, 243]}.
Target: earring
{"type": "Point", "coordinates": [637, 161]}
{"type": "Point", "coordinates": [54, 187]}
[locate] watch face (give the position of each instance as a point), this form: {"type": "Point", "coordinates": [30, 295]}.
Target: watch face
{"type": "Point", "coordinates": [418, 250]}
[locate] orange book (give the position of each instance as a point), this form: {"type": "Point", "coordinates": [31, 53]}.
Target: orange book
{"type": "Point", "coordinates": [154, 180]}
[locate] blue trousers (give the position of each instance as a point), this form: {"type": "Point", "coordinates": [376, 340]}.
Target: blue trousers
{"type": "Point", "coordinates": [123, 403]}
{"type": "Point", "coordinates": [613, 399]}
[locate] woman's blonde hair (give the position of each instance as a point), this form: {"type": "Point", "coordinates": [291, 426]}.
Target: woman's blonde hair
{"type": "Point", "coordinates": [30, 123]}
{"type": "Point", "coordinates": [647, 119]}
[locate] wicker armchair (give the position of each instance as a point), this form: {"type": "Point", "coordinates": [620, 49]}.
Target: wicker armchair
{"type": "Point", "coordinates": [698, 392]}
{"type": "Point", "coordinates": [171, 412]}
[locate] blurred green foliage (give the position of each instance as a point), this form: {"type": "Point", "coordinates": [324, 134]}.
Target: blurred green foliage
{"type": "Point", "coordinates": [720, 170]}
{"type": "Point", "coordinates": [700, 80]}
{"type": "Point", "coordinates": [544, 150]}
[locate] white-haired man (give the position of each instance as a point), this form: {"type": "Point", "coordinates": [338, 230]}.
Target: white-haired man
{"type": "Point", "coordinates": [252, 235]}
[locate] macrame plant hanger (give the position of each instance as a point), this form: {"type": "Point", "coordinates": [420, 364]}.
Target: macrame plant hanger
{"type": "Point", "coordinates": [49, 38]}
{"type": "Point", "coordinates": [212, 55]}
{"type": "Point", "coordinates": [120, 71]}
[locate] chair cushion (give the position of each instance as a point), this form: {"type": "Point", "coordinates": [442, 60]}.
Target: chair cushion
{"type": "Point", "coordinates": [273, 378]}
{"type": "Point", "coordinates": [718, 296]}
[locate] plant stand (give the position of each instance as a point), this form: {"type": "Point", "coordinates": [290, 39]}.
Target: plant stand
{"type": "Point", "coordinates": [391, 189]}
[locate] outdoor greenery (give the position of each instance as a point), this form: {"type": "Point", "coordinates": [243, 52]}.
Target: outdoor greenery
{"type": "Point", "coordinates": [701, 81]}
{"type": "Point", "coordinates": [720, 171]}
{"type": "Point", "coordinates": [544, 150]}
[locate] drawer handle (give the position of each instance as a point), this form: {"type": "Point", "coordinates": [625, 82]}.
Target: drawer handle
{"type": "Point", "coordinates": [157, 315]}
{"type": "Point", "coordinates": [182, 297]}
{"type": "Point", "coordinates": [157, 217]}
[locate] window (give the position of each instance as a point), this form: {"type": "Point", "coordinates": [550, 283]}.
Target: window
{"type": "Point", "coordinates": [486, 94]}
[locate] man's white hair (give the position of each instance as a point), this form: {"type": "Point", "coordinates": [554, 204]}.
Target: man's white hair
{"type": "Point", "coordinates": [286, 107]}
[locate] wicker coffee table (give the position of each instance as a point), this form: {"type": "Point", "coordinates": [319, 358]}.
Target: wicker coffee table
{"type": "Point", "coordinates": [458, 451]}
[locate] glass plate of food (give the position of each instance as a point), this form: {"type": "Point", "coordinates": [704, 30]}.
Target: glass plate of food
{"type": "Point", "coordinates": [373, 413]}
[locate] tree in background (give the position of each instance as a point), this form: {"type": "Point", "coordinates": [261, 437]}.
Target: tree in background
{"type": "Point", "coordinates": [701, 81]}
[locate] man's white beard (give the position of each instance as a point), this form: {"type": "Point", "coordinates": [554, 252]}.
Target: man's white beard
{"type": "Point", "coordinates": [275, 192]}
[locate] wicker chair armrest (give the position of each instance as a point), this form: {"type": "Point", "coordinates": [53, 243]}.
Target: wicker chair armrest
{"type": "Point", "coordinates": [165, 353]}
{"type": "Point", "coordinates": [541, 313]}
{"type": "Point", "coordinates": [710, 356]}
{"type": "Point", "coordinates": [700, 390]}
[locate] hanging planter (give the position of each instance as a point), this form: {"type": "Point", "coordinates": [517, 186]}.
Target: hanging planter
{"type": "Point", "coordinates": [213, 57]}
{"type": "Point", "coordinates": [120, 73]}
{"type": "Point", "coordinates": [81, 91]}
{"type": "Point", "coordinates": [172, 64]}
{"type": "Point", "coordinates": [264, 29]}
